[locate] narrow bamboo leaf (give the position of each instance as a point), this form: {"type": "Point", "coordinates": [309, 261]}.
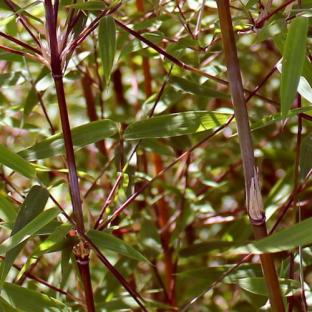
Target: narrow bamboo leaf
{"type": "Point", "coordinates": [32, 206]}
{"type": "Point", "coordinates": [197, 249]}
{"type": "Point", "coordinates": [210, 274]}
{"type": "Point", "coordinates": [11, 79]}
{"type": "Point", "coordinates": [293, 60]}
{"type": "Point", "coordinates": [54, 242]}
{"type": "Point", "coordinates": [27, 300]}
{"type": "Point", "coordinates": [16, 162]}
{"type": "Point", "coordinates": [89, 6]}
{"type": "Point", "coordinates": [106, 241]}
{"type": "Point", "coordinates": [271, 119]}
{"type": "Point", "coordinates": [24, 11]}
{"type": "Point", "coordinates": [294, 236]}
{"type": "Point", "coordinates": [29, 229]}
{"type": "Point", "coordinates": [306, 156]}
{"type": "Point", "coordinates": [107, 43]}
{"type": "Point", "coordinates": [30, 102]}
{"type": "Point", "coordinates": [158, 147]}
{"type": "Point", "coordinates": [82, 136]}
{"type": "Point", "coordinates": [65, 265]}
{"type": "Point", "coordinates": [257, 286]}
{"type": "Point", "coordinates": [193, 88]}
{"type": "Point", "coordinates": [165, 126]}
{"type": "Point", "coordinates": [6, 307]}
{"type": "Point", "coordinates": [7, 210]}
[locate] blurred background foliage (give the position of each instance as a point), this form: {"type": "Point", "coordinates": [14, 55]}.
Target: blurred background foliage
{"type": "Point", "coordinates": [188, 219]}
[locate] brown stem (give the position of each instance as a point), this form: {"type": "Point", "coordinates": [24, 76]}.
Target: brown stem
{"type": "Point", "coordinates": [260, 23]}
{"type": "Point", "coordinates": [116, 273]}
{"type": "Point", "coordinates": [163, 216]}
{"type": "Point", "coordinates": [84, 270]}
{"type": "Point", "coordinates": [20, 43]}
{"type": "Point", "coordinates": [253, 194]}
{"type": "Point", "coordinates": [70, 156]}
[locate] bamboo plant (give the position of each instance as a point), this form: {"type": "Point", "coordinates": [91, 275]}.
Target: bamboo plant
{"type": "Point", "coordinates": [123, 183]}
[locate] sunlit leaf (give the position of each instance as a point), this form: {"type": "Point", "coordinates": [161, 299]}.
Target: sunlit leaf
{"type": "Point", "coordinates": [29, 229]}
{"type": "Point", "coordinates": [165, 126]}
{"type": "Point", "coordinates": [82, 136]}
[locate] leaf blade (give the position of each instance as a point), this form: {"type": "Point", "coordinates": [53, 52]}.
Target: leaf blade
{"type": "Point", "coordinates": [108, 241]}
{"type": "Point", "coordinates": [16, 162]}
{"type": "Point", "coordinates": [82, 135]}
{"type": "Point", "coordinates": [107, 42]}
{"type": "Point", "coordinates": [293, 61]}
{"type": "Point", "coordinates": [32, 206]}
{"type": "Point", "coordinates": [175, 125]}
{"type": "Point", "coordinates": [29, 229]}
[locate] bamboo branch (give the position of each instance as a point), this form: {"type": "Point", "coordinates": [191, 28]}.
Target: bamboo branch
{"type": "Point", "coordinates": [56, 68]}
{"type": "Point", "coordinates": [253, 194]}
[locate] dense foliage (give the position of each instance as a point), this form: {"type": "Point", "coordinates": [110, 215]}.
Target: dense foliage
{"type": "Point", "coordinates": [140, 204]}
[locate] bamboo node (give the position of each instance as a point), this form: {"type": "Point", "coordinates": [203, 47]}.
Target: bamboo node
{"type": "Point", "coordinates": [254, 201]}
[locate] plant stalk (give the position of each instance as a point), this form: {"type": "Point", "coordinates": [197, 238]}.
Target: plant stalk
{"type": "Point", "coordinates": [253, 194]}
{"type": "Point", "coordinates": [57, 73]}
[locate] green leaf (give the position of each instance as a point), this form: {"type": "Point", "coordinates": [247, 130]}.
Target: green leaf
{"type": "Point", "coordinates": [271, 119]}
{"type": "Point", "coordinates": [107, 43]}
{"type": "Point", "coordinates": [16, 162]}
{"type": "Point", "coordinates": [207, 247]}
{"type": "Point", "coordinates": [54, 242]}
{"type": "Point", "coordinates": [11, 79]}
{"type": "Point", "coordinates": [6, 307]}
{"type": "Point", "coordinates": [299, 234]}
{"type": "Point", "coordinates": [30, 102]}
{"type": "Point", "coordinates": [293, 60]}
{"type": "Point", "coordinates": [7, 210]}
{"type": "Point", "coordinates": [32, 206]}
{"type": "Point", "coordinates": [257, 286]}
{"type": "Point", "coordinates": [210, 274]}
{"type": "Point", "coordinates": [29, 229]}
{"type": "Point", "coordinates": [107, 241]}
{"type": "Point", "coordinates": [306, 156]}
{"type": "Point", "coordinates": [175, 125]}
{"type": "Point", "coordinates": [89, 6]}
{"type": "Point", "coordinates": [197, 89]}
{"type": "Point", "coordinates": [27, 300]}
{"type": "Point", "coordinates": [153, 145]}
{"type": "Point", "coordinates": [23, 10]}
{"type": "Point", "coordinates": [82, 136]}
